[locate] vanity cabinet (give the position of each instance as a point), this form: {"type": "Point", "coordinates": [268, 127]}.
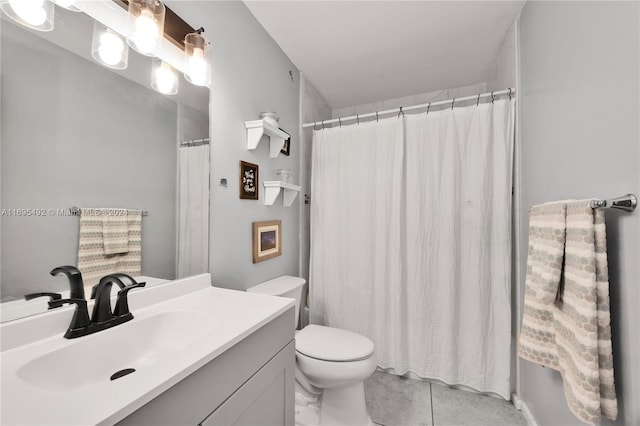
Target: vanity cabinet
{"type": "Point", "coordinates": [250, 383]}
{"type": "Point", "coordinates": [261, 400]}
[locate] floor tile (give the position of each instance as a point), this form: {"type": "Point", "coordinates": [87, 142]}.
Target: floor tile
{"type": "Point", "coordinates": [398, 401]}
{"type": "Point", "coordinates": [457, 407]}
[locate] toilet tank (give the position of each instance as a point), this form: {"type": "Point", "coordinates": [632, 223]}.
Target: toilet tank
{"type": "Point", "coordinates": [284, 286]}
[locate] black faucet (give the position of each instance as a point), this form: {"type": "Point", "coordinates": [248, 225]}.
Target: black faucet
{"type": "Point", "coordinates": [102, 317]}
{"type": "Point", "coordinates": [75, 280]}
{"type": "Point", "coordinates": [122, 302]}
{"type": "Point", "coordinates": [76, 285]}
{"type": "Point", "coordinates": [122, 281]}
{"type": "Point", "coordinates": [102, 293]}
{"type": "Point", "coordinates": [51, 296]}
{"type": "Point", "coordinates": [80, 322]}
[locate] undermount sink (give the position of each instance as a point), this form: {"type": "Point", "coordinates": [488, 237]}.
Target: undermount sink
{"type": "Point", "coordinates": [134, 345]}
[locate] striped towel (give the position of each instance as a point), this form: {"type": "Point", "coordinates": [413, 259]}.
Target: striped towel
{"type": "Point", "coordinates": [566, 320]}
{"type": "Point", "coordinates": [94, 259]}
{"type": "Point", "coordinates": [115, 232]}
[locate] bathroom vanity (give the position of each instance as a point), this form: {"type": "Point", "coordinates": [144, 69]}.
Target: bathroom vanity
{"type": "Point", "coordinates": [252, 383]}
{"type": "Point", "coordinates": [202, 355]}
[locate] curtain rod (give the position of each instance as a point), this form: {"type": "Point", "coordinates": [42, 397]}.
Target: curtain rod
{"type": "Point", "coordinates": [194, 142]}
{"type": "Point", "coordinates": [376, 114]}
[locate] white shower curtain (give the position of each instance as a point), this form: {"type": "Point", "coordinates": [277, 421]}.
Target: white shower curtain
{"type": "Point", "coordinates": [193, 210]}
{"type": "Point", "coordinates": [411, 241]}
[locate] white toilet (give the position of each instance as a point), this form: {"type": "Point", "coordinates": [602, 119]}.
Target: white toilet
{"type": "Point", "coordinates": [330, 362]}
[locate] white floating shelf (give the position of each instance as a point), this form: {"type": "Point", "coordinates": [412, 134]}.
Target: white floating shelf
{"type": "Point", "coordinates": [258, 128]}
{"type": "Point", "coordinates": [272, 190]}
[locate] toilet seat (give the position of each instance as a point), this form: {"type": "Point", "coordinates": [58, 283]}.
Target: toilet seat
{"type": "Point", "coordinates": [332, 344]}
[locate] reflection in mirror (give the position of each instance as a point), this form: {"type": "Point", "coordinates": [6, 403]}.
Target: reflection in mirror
{"type": "Point", "coordinates": [77, 134]}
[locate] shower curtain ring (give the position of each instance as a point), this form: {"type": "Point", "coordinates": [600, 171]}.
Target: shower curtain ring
{"type": "Point", "coordinates": [509, 93]}
{"type": "Point", "coordinates": [376, 116]}
{"type": "Point", "coordinates": [478, 101]}
{"type": "Point", "coordinates": [322, 124]}
{"type": "Point", "coordinates": [401, 112]}
{"type": "Point", "coordinates": [340, 121]}
{"type": "Point", "coordinates": [358, 119]}
{"type": "Point", "coordinates": [453, 102]}
{"type": "Point", "coordinates": [492, 98]}
{"type": "Point", "coordinates": [428, 107]}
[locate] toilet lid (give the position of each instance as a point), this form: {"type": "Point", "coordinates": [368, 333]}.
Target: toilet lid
{"type": "Point", "coordinates": [332, 344]}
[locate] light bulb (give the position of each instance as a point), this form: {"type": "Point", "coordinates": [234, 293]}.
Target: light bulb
{"type": "Point", "coordinates": [165, 79]}
{"type": "Point", "coordinates": [108, 47]}
{"type": "Point", "coordinates": [30, 11]}
{"type": "Point", "coordinates": [197, 67]}
{"type": "Point", "coordinates": [146, 32]}
{"type": "Point", "coordinates": [146, 26]}
{"type": "Point", "coordinates": [111, 48]}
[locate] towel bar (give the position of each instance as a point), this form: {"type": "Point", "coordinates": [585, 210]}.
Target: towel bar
{"type": "Point", "coordinates": [627, 203]}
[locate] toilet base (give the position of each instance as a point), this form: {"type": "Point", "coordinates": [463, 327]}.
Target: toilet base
{"type": "Point", "coordinates": [344, 406]}
{"type": "Point", "coordinates": [350, 408]}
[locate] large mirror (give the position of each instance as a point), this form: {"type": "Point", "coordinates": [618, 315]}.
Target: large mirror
{"type": "Point", "coordinates": [75, 134]}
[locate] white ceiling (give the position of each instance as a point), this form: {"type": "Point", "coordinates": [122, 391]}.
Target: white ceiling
{"type": "Point", "coordinates": [356, 52]}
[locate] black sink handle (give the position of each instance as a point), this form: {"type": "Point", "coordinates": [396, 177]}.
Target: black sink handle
{"type": "Point", "coordinates": [51, 296]}
{"type": "Point", "coordinates": [80, 315]}
{"type": "Point", "coordinates": [122, 304]}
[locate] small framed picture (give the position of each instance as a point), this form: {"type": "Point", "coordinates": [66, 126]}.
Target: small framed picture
{"type": "Point", "coordinates": [248, 181]}
{"type": "Point", "coordinates": [287, 145]}
{"type": "Point", "coordinates": [267, 240]}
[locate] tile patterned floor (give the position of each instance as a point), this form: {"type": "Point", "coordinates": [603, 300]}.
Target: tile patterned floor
{"type": "Point", "coordinates": [400, 401]}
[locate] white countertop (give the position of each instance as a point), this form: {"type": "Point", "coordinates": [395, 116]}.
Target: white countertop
{"type": "Point", "coordinates": [229, 316]}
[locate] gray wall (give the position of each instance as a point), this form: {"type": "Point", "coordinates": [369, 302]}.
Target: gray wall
{"type": "Point", "coordinates": [503, 75]}
{"type": "Point", "coordinates": [580, 139]}
{"type": "Point", "coordinates": [251, 74]}
{"type": "Point", "coordinates": [192, 124]}
{"type": "Point", "coordinates": [76, 134]}
{"type": "Point", "coordinates": [313, 107]}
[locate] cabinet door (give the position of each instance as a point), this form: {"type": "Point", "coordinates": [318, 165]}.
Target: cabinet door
{"type": "Point", "coordinates": [266, 399]}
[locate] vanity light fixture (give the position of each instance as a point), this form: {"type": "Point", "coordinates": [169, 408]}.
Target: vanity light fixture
{"type": "Point", "coordinates": [146, 26]}
{"type": "Point", "coordinates": [34, 14]}
{"type": "Point", "coordinates": [198, 69]}
{"type": "Point", "coordinates": [67, 4]}
{"type": "Point", "coordinates": [108, 47]}
{"type": "Point", "coordinates": [164, 78]}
